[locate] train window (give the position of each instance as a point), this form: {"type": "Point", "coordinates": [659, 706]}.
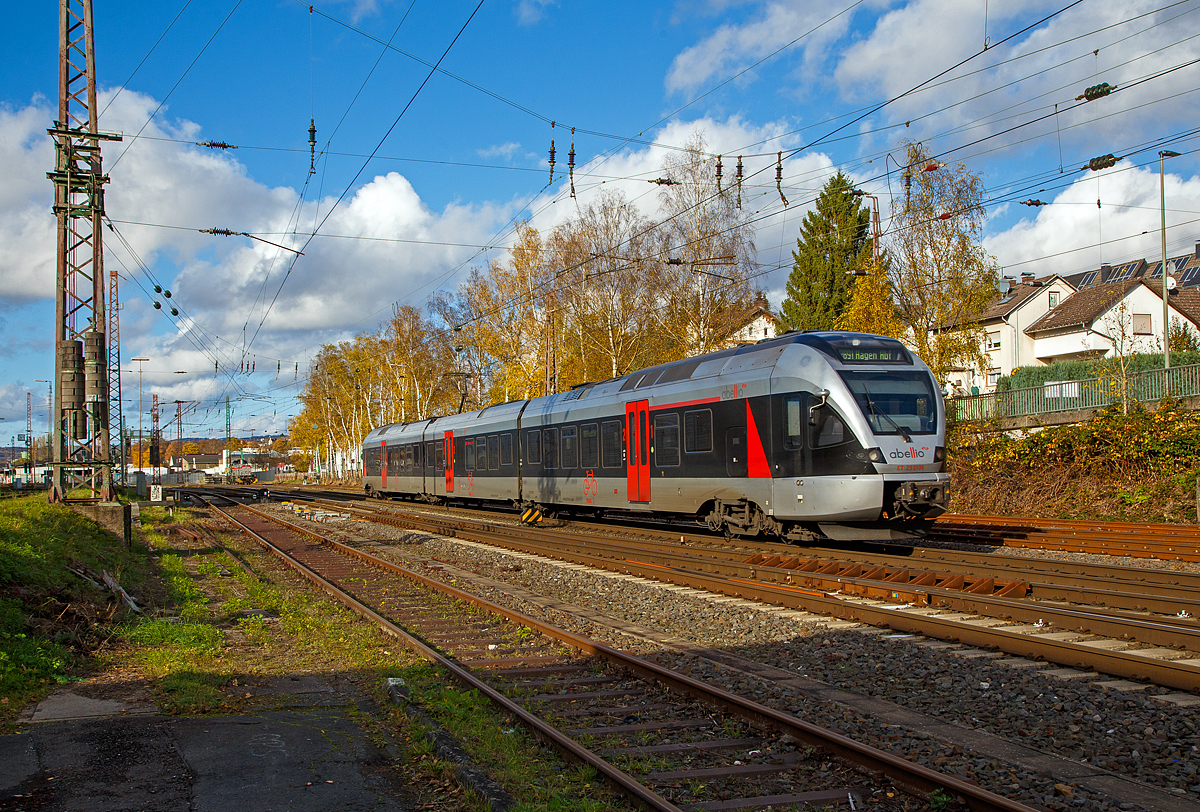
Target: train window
{"type": "Point", "coordinates": [506, 449]}
{"type": "Point", "coordinates": [417, 448]}
{"type": "Point", "coordinates": [666, 440]}
{"type": "Point", "coordinates": [650, 378]}
{"type": "Point", "coordinates": [589, 445]}
{"type": "Point", "coordinates": [895, 402]}
{"type": "Point", "coordinates": [550, 446]}
{"type": "Point", "coordinates": [533, 447]}
{"type": "Point", "coordinates": [429, 455]}
{"type": "Point", "coordinates": [493, 447]}
{"type": "Point", "coordinates": [610, 444]}
{"type": "Point", "coordinates": [828, 429]}
{"type": "Point", "coordinates": [697, 431]}
{"type": "Point", "coordinates": [481, 454]}
{"type": "Point", "coordinates": [645, 440]}
{"type": "Point", "coordinates": [793, 423]}
{"type": "Point", "coordinates": [469, 449]}
{"type": "Point", "coordinates": [439, 462]}
{"type": "Point", "coordinates": [569, 447]}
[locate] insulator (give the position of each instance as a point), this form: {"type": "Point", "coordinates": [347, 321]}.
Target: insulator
{"type": "Point", "coordinates": [779, 179]}
{"type": "Point", "coordinates": [174, 312]}
{"type": "Point", "coordinates": [278, 368]}
{"type": "Point", "coordinates": [552, 160]}
{"type": "Point", "coordinates": [719, 173]}
{"type": "Point", "coordinates": [1096, 92]}
{"type": "Point", "coordinates": [946, 215]}
{"type": "Point", "coordinates": [1033, 203]}
{"type": "Point", "coordinates": [1102, 162]}
{"type": "Point", "coordinates": [571, 166]}
{"type": "Point", "coordinates": [216, 366]}
{"type": "Point", "coordinates": [158, 288]}
{"type": "Point", "coordinates": [312, 146]}
{"type": "Point", "coordinates": [158, 305]}
{"type": "Point", "coordinates": [215, 145]}
{"type": "Point", "coordinates": [739, 182]}
{"type": "Point", "coordinates": [252, 365]}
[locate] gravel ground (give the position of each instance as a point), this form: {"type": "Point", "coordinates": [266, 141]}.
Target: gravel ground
{"type": "Point", "coordinates": [1127, 733]}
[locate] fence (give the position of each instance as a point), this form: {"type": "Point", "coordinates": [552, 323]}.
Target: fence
{"type": "Point", "coordinates": [1069, 396]}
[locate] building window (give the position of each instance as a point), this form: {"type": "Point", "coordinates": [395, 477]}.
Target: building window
{"type": "Point", "coordinates": [1053, 298]}
{"type": "Point", "coordinates": [993, 377]}
{"type": "Point", "coordinates": [1141, 324]}
{"type": "Point", "coordinates": [993, 341]}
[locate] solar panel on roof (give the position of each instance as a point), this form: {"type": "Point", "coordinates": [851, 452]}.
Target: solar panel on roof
{"type": "Point", "coordinates": [1121, 272]}
{"type": "Point", "coordinates": [1190, 277]}
{"type": "Point", "coordinates": [1088, 278]}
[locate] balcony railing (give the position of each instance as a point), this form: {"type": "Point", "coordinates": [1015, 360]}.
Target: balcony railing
{"type": "Point", "coordinates": [1069, 396]}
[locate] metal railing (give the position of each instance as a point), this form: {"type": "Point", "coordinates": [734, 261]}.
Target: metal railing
{"type": "Point", "coordinates": [1069, 396]}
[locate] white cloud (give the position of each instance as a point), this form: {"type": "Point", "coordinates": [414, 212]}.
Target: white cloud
{"type": "Point", "coordinates": [1064, 237]}
{"type": "Point", "coordinates": [530, 12]}
{"type": "Point", "coordinates": [732, 47]}
{"type": "Point", "coordinates": [223, 285]}
{"type": "Point", "coordinates": [506, 150]}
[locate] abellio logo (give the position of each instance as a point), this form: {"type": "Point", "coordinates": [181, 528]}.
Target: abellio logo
{"type": "Point", "coordinates": [910, 453]}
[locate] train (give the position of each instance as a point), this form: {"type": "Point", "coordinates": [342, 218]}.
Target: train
{"type": "Point", "coordinates": [807, 436]}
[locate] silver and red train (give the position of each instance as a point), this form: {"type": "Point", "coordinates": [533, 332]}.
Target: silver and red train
{"type": "Point", "coordinates": [808, 435]}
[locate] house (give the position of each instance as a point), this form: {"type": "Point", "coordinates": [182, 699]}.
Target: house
{"type": "Point", "coordinates": [1006, 345]}
{"type": "Point", "coordinates": [755, 324]}
{"type": "Point", "coordinates": [1111, 318]}
{"type": "Point", "coordinates": [1185, 269]}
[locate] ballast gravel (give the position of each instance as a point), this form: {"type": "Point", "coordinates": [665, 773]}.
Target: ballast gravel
{"type": "Point", "coordinates": [1126, 733]}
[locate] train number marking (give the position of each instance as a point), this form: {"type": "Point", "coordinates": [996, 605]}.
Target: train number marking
{"type": "Point", "coordinates": [911, 467]}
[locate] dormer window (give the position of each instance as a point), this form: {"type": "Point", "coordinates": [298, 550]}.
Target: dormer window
{"type": "Point", "coordinates": [1053, 299]}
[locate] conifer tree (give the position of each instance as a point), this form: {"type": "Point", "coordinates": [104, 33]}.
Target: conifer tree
{"type": "Point", "coordinates": [835, 241]}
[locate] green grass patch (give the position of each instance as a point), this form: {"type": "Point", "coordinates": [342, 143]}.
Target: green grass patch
{"type": "Point", "coordinates": [46, 634]}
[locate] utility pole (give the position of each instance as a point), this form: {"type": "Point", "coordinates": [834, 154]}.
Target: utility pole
{"type": "Point", "coordinates": [81, 452]}
{"type": "Point", "coordinates": [228, 435]}
{"type": "Point", "coordinates": [32, 464]}
{"type": "Point", "coordinates": [116, 414]}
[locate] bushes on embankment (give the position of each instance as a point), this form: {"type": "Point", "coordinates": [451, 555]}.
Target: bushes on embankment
{"type": "Point", "coordinates": [1142, 466]}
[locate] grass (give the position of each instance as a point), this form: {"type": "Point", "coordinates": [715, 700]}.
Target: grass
{"type": "Point", "coordinates": [50, 619]}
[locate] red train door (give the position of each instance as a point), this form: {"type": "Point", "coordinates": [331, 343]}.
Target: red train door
{"type": "Point", "coordinates": [383, 461]}
{"type": "Point", "coordinates": [448, 457]}
{"type": "Point", "coordinates": [637, 446]}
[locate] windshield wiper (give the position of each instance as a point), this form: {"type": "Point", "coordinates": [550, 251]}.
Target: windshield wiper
{"type": "Point", "coordinates": [903, 432]}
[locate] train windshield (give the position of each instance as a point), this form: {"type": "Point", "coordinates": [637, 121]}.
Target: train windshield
{"type": "Point", "coordinates": [902, 403]}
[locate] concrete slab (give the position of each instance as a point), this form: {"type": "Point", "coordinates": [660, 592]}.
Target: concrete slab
{"type": "Point", "coordinates": [1156, 653]}
{"type": "Point", "coordinates": [306, 760]}
{"type": "Point", "coordinates": [1123, 685]}
{"type": "Point", "coordinates": [986, 622]}
{"type": "Point", "coordinates": [1107, 645]}
{"type": "Point", "coordinates": [1021, 662]}
{"type": "Point", "coordinates": [18, 761]}
{"type": "Point", "coordinates": [63, 705]}
{"type": "Point", "coordinates": [975, 654]}
{"type": "Point", "coordinates": [937, 645]}
{"type": "Point", "coordinates": [302, 761]}
{"type": "Point", "coordinates": [1068, 674]}
{"type": "Point", "coordinates": [1064, 637]}
{"type": "Point", "coordinates": [1178, 700]}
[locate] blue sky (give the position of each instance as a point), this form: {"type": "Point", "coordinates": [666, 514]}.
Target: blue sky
{"type": "Point", "coordinates": [468, 158]}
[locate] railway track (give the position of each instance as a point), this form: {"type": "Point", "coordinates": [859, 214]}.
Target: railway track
{"type": "Point", "coordinates": [668, 741]}
{"type": "Point", "coordinates": [1128, 622]}
{"type": "Point", "coordinates": [1169, 542]}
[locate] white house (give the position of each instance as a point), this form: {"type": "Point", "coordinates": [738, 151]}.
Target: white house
{"type": "Point", "coordinates": [1006, 345]}
{"type": "Point", "coordinates": [1110, 319]}
{"type": "Point", "coordinates": [756, 324]}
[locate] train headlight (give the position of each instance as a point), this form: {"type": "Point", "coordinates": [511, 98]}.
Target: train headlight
{"type": "Point", "coordinates": [939, 454]}
{"type": "Point", "coordinates": [869, 455]}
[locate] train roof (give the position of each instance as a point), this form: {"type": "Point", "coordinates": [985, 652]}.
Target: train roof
{"type": "Point", "coordinates": [843, 348]}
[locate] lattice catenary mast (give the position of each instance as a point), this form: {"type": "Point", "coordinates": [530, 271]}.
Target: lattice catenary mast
{"type": "Point", "coordinates": [81, 438]}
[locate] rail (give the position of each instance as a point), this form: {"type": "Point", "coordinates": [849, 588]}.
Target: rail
{"type": "Point", "coordinates": [1080, 395]}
